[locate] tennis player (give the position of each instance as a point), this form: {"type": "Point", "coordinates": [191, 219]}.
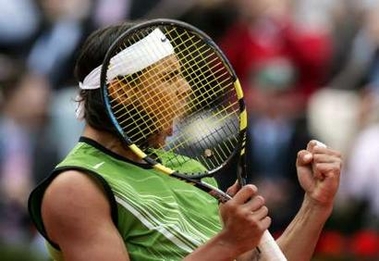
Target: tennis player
{"type": "Point", "coordinates": [103, 203]}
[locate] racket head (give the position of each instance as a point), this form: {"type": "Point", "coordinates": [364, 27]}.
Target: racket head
{"type": "Point", "coordinates": [172, 95]}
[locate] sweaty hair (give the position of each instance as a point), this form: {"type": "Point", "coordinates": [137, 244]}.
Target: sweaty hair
{"type": "Point", "coordinates": [91, 55]}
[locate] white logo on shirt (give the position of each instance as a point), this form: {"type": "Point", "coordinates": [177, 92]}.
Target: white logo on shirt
{"type": "Point", "coordinates": [98, 165]}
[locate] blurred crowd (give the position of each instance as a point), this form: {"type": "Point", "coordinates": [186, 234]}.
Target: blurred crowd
{"type": "Point", "coordinates": [309, 69]}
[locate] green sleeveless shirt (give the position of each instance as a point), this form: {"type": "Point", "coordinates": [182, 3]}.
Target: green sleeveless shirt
{"type": "Point", "coordinates": [158, 217]}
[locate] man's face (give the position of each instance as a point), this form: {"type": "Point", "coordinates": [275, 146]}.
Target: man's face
{"type": "Point", "coordinates": [162, 93]}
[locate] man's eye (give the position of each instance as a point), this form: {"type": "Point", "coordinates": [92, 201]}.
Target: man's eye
{"type": "Point", "coordinates": [171, 76]}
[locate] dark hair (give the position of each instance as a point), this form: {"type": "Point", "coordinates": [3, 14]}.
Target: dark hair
{"type": "Point", "coordinates": [91, 55]}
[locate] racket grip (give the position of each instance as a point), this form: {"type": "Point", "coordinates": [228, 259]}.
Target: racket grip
{"type": "Point", "coordinates": [269, 249]}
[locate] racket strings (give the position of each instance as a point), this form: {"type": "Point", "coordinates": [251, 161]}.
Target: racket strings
{"type": "Point", "coordinates": [195, 58]}
{"type": "Point", "coordinates": [217, 120]}
{"type": "Point", "coordinates": [206, 92]}
{"type": "Point", "coordinates": [215, 155]}
{"type": "Point", "coordinates": [195, 104]}
{"type": "Point", "coordinates": [200, 68]}
{"type": "Point", "coordinates": [212, 97]}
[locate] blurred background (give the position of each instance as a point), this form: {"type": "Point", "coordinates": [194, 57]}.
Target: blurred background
{"type": "Point", "coordinates": [309, 69]}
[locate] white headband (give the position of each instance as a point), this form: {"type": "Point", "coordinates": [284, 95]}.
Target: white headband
{"type": "Point", "coordinates": [134, 58]}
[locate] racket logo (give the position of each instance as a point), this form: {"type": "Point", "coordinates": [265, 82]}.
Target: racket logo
{"type": "Point", "coordinates": [208, 153]}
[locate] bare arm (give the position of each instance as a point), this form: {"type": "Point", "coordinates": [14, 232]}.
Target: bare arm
{"type": "Point", "coordinates": [319, 173]}
{"type": "Point", "coordinates": [77, 217]}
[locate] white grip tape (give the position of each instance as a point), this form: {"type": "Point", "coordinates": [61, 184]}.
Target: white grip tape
{"type": "Point", "coordinates": [269, 248]}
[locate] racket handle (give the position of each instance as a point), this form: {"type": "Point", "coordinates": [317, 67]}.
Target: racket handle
{"type": "Point", "coordinates": [269, 249]}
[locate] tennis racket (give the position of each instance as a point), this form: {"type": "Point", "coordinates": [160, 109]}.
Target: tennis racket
{"type": "Point", "coordinates": [170, 91]}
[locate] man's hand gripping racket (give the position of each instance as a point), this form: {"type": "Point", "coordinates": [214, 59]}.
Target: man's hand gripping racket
{"type": "Point", "coordinates": [178, 106]}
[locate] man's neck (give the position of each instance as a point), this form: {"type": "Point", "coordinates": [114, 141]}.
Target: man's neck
{"type": "Point", "coordinates": [111, 142]}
